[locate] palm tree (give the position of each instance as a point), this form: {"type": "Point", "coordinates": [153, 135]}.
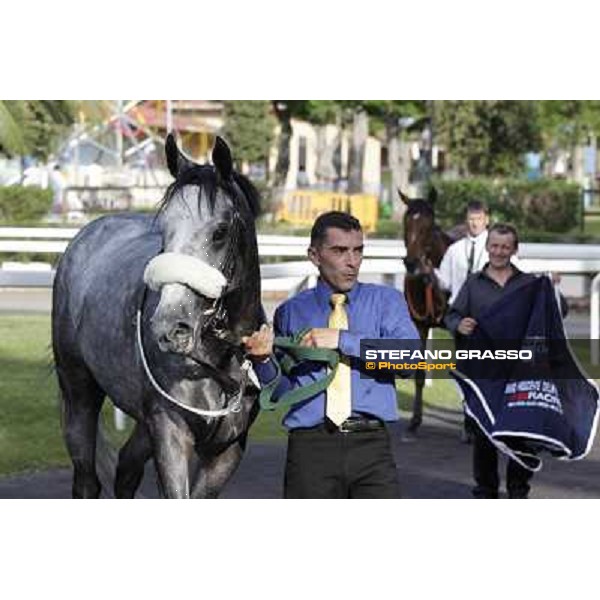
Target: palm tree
{"type": "Point", "coordinates": [12, 134]}
{"type": "Point", "coordinates": [34, 126]}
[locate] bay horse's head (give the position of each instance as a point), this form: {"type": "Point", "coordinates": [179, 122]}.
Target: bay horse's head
{"type": "Point", "coordinates": [425, 246]}
{"type": "Point", "coordinates": [208, 273]}
{"type": "Point", "coordinates": [424, 241]}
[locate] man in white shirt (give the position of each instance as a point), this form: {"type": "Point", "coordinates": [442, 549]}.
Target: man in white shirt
{"type": "Point", "coordinates": [462, 258]}
{"type": "Point", "coordinates": [468, 254]}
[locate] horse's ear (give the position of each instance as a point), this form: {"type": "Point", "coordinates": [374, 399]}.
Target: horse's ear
{"type": "Point", "coordinates": [221, 157]}
{"type": "Point", "coordinates": [404, 198]}
{"type": "Point", "coordinates": [432, 197]}
{"type": "Point", "coordinates": [176, 161]}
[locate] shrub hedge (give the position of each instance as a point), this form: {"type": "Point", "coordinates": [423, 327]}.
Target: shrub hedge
{"type": "Point", "coordinates": [19, 205]}
{"type": "Point", "coordinates": [542, 206]}
{"type": "Point", "coordinates": [388, 229]}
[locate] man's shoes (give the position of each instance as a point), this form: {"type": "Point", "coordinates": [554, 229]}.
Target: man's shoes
{"type": "Point", "coordinates": [485, 496]}
{"type": "Point", "coordinates": [481, 493]}
{"type": "Point", "coordinates": [469, 429]}
{"type": "Point", "coordinates": [518, 495]}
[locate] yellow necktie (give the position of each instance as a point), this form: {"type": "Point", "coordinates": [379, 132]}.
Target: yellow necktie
{"type": "Point", "coordinates": [339, 400]}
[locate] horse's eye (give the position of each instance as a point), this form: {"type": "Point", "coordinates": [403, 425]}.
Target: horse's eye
{"type": "Point", "coordinates": [220, 232]}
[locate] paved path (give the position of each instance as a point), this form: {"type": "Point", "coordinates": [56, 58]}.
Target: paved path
{"type": "Point", "coordinates": [35, 300]}
{"type": "Point", "coordinates": [434, 465]}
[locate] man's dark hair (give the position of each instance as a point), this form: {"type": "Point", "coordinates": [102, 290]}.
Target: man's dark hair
{"type": "Point", "coordinates": [477, 206]}
{"type": "Point", "coordinates": [339, 220]}
{"type": "Point", "coordinates": [503, 229]}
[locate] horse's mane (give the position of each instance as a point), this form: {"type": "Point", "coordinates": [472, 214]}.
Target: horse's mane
{"type": "Point", "coordinates": [243, 193]}
{"type": "Point", "coordinates": [419, 206]}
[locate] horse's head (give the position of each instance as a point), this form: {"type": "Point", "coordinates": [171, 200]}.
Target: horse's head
{"type": "Point", "coordinates": [425, 245]}
{"type": "Point", "coordinates": [208, 272]}
{"type": "Point", "coordinates": [420, 233]}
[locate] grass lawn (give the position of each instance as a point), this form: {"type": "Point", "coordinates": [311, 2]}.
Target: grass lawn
{"type": "Point", "coordinates": [29, 419]}
{"type": "Point", "coordinates": [30, 435]}
{"type": "Point", "coordinates": [592, 225]}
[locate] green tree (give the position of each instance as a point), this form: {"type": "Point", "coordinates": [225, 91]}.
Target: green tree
{"type": "Point", "coordinates": [249, 126]}
{"type": "Point", "coordinates": [34, 126]}
{"type": "Point", "coordinates": [345, 114]}
{"type": "Point", "coordinates": [318, 112]}
{"type": "Point", "coordinates": [12, 137]}
{"type": "Point", "coordinates": [488, 137]}
{"type": "Point", "coordinates": [392, 117]}
{"type": "Point", "coordinates": [567, 124]}
{"type": "Point", "coordinates": [382, 115]}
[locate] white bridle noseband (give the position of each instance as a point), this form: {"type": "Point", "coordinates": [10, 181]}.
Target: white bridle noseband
{"type": "Point", "coordinates": [171, 267]}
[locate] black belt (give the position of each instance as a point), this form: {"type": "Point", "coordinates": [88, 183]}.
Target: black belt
{"type": "Point", "coordinates": [351, 425]}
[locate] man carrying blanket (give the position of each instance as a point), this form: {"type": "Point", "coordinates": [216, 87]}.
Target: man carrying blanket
{"type": "Point", "coordinates": [525, 405]}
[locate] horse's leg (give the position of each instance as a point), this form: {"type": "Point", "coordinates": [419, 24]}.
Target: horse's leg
{"type": "Point", "coordinates": [82, 400]}
{"type": "Point", "coordinates": [173, 445]}
{"type": "Point", "coordinates": [132, 458]}
{"type": "Point", "coordinates": [417, 414]}
{"type": "Point", "coordinates": [214, 474]}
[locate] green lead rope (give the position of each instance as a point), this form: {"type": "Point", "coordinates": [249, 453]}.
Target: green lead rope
{"type": "Point", "coordinates": [294, 355]}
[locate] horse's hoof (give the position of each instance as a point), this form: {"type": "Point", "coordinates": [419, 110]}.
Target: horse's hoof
{"type": "Point", "coordinates": [410, 433]}
{"type": "Point", "coordinates": [413, 426]}
{"type": "Point", "coordinates": [408, 437]}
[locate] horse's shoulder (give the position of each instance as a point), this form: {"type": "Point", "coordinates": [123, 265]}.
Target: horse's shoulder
{"type": "Point", "coordinates": [457, 233]}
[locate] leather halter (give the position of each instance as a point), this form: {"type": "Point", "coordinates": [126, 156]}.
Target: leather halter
{"type": "Point", "coordinates": [429, 316]}
{"type": "Point", "coordinates": [215, 324]}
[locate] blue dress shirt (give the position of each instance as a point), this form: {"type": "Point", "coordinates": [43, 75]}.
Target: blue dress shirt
{"type": "Point", "coordinates": [374, 312]}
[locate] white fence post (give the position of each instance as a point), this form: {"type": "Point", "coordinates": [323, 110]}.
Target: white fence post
{"type": "Point", "coordinates": [428, 378]}
{"type": "Point", "coordinates": [595, 319]}
{"type": "Point", "coordinates": [120, 419]}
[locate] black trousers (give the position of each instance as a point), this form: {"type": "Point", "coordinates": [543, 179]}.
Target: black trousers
{"type": "Point", "coordinates": [485, 471]}
{"type": "Point", "coordinates": [330, 464]}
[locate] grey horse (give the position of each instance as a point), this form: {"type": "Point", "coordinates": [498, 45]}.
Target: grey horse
{"type": "Point", "coordinates": [149, 310]}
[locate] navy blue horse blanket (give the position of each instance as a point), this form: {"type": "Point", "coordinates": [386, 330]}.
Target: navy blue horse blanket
{"type": "Point", "coordinates": [527, 406]}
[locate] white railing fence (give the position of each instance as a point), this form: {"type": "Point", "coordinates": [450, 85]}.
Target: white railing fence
{"type": "Point", "coordinates": [595, 320]}
{"type": "Point", "coordinates": [382, 257]}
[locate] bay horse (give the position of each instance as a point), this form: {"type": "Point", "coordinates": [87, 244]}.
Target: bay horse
{"type": "Point", "coordinates": [149, 310]}
{"type": "Point", "coordinates": [426, 245]}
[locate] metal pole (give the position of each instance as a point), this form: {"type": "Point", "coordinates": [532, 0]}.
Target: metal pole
{"type": "Point", "coordinates": [584, 191]}
{"type": "Point", "coordinates": [431, 112]}
{"type": "Point", "coordinates": [169, 119]}
{"type": "Point", "coordinates": [119, 134]}
{"type": "Point", "coordinates": [76, 155]}
{"type": "Point", "coordinates": [428, 379]}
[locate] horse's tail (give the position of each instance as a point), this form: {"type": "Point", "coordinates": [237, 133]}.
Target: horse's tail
{"type": "Point", "coordinates": [106, 461]}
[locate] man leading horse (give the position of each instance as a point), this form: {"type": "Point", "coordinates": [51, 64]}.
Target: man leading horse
{"type": "Point", "coordinates": [338, 443]}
